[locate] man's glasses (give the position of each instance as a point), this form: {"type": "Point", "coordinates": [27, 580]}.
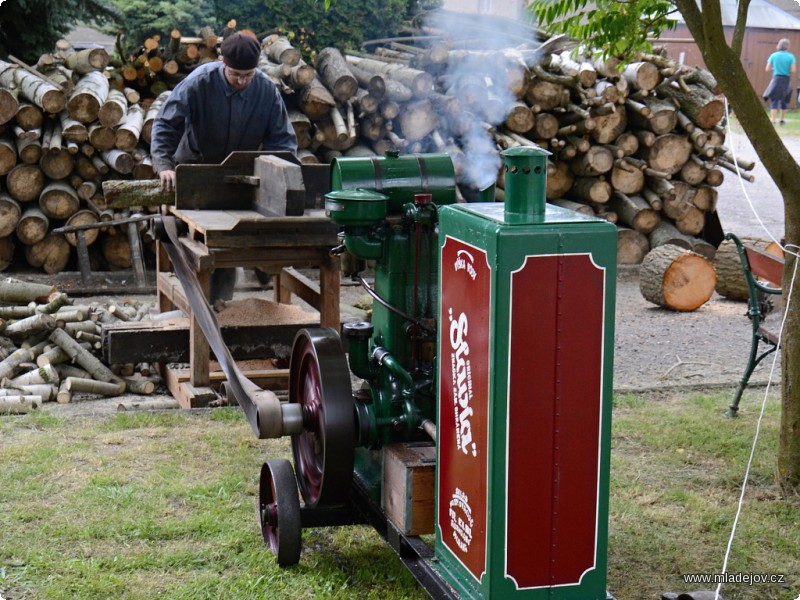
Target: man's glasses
{"type": "Point", "coordinates": [241, 77]}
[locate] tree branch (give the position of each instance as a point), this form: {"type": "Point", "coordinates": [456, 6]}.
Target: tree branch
{"type": "Point", "coordinates": [741, 23]}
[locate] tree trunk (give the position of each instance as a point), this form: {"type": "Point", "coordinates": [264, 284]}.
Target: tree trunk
{"type": "Point", "coordinates": [125, 193]}
{"type": "Point", "coordinates": [632, 246]}
{"type": "Point", "coordinates": [51, 254]}
{"type": "Point", "coordinates": [32, 227]}
{"type": "Point", "coordinates": [417, 120]}
{"type": "Point", "coordinates": [10, 213]}
{"type": "Point", "coordinates": [113, 109]}
{"type": "Point", "coordinates": [119, 160]}
{"type": "Point", "coordinates": [676, 279]}
{"type": "Point", "coordinates": [634, 212]}
{"type": "Point", "coordinates": [315, 100]}
{"type": "Point", "coordinates": [43, 94]}
{"type": "Point", "coordinates": [333, 72]}
{"type": "Point", "coordinates": [58, 200]}
{"type": "Point", "coordinates": [668, 153]}
{"type": "Point", "coordinates": [88, 96]}
{"type": "Point", "coordinates": [596, 161]}
{"type": "Point", "coordinates": [91, 386]}
{"type": "Point", "coordinates": [101, 138]}
{"type": "Point", "coordinates": [25, 182]}
{"type": "Point", "coordinates": [8, 155]}
{"type": "Point", "coordinates": [130, 129]}
{"type": "Point", "coordinates": [591, 189]}
{"type": "Point", "coordinates": [666, 233]}
{"type": "Point", "coordinates": [626, 178]}
{"type": "Point", "coordinates": [698, 103]}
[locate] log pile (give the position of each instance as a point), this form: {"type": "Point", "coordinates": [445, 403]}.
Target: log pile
{"type": "Point", "coordinates": [50, 349]}
{"type": "Point", "coordinates": [640, 146]}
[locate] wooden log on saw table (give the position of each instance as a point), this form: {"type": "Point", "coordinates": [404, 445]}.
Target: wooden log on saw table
{"type": "Point", "coordinates": [677, 279]}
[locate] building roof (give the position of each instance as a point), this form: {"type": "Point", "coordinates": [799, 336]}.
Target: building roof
{"type": "Point", "coordinates": [761, 14]}
{"type": "Point", "coordinates": [87, 37]}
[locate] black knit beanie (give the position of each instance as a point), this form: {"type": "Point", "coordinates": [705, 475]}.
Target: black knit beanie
{"type": "Point", "coordinates": [240, 51]}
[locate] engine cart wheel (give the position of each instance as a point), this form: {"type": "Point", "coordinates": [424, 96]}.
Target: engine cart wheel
{"type": "Point", "coordinates": [279, 511]}
{"type": "Point", "coordinates": [319, 380]}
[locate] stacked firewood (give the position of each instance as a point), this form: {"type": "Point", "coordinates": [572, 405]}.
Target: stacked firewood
{"type": "Point", "coordinates": [50, 349]}
{"type": "Point", "coordinates": [640, 146]}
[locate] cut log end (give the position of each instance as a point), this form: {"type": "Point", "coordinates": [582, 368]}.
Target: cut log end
{"type": "Point", "coordinates": [676, 279]}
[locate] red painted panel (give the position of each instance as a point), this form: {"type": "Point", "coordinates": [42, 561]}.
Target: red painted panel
{"type": "Point", "coordinates": [554, 416]}
{"type": "Point", "coordinates": [464, 402]}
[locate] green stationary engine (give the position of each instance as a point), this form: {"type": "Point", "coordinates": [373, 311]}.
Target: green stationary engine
{"type": "Point", "coordinates": [492, 335]}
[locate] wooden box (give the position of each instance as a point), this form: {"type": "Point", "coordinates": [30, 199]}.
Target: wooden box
{"type": "Point", "coordinates": [409, 478]}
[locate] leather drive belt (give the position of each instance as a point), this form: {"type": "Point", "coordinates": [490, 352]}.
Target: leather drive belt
{"type": "Point", "coordinates": [254, 401]}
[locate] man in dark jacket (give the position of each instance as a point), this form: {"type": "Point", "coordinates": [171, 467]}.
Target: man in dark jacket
{"type": "Point", "coordinates": [221, 107]}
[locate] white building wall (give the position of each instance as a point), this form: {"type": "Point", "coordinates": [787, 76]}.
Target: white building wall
{"type": "Point", "coordinates": [502, 8]}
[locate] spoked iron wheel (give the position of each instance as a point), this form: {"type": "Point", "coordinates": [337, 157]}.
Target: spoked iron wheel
{"type": "Point", "coordinates": [279, 511]}
{"type": "Point", "coordinates": [319, 380]}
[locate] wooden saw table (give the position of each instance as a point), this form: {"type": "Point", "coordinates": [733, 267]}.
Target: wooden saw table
{"type": "Point", "coordinates": [242, 237]}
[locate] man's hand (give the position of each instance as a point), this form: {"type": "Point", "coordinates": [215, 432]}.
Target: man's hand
{"type": "Point", "coordinates": [167, 180]}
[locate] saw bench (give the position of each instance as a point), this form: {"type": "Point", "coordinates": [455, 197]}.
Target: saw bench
{"type": "Point", "coordinates": [253, 210]}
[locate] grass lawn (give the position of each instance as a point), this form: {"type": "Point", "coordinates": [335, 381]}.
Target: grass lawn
{"type": "Point", "coordinates": [162, 506]}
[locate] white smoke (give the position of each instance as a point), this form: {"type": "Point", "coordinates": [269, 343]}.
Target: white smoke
{"type": "Point", "coordinates": [478, 78]}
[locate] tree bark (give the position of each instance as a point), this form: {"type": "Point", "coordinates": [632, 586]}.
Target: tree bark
{"type": "Point", "coordinates": [632, 246]}
{"type": "Point", "coordinates": [334, 73]}
{"type": "Point", "coordinates": [88, 96]}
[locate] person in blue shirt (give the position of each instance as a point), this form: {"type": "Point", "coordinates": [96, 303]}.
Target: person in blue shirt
{"type": "Point", "coordinates": [221, 107]}
{"type": "Point", "coordinates": [783, 65]}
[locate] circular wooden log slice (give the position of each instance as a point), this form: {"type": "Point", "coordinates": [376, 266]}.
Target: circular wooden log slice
{"type": "Point", "coordinates": [705, 198]}
{"type": "Point", "coordinates": [8, 156]}
{"type": "Point", "coordinates": [627, 179]}
{"type": "Point", "coordinates": [29, 151]}
{"type": "Point", "coordinates": [642, 75]}
{"type": "Point", "coordinates": [51, 254]}
{"type": "Point", "coordinates": [628, 142]}
{"type": "Point", "coordinates": [6, 252]}
{"type": "Point", "coordinates": [102, 138]}
{"type": "Point", "coordinates": [10, 213]}
{"type": "Point", "coordinates": [715, 177]}
{"type": "Point", "coordinates": [609, 127]}
{"type": "Point", "coordinates": [692, 223]}
{"type": "Point", "coordinates": [544, 95]}
{"type": "Point", "coordinates": [546, 126]}
{"type": "Point", "coordinates": [417, 120]}
{"type": "Point", "coordinates": [676, 279]}
{"type": "Point", "coordinates": [32, 227]}
{"type": "Point", "coordinates": [57, 164]}
{"type": "Point", "coordinates": [113, 109]}
{"type": "Point", "coordinates": [25, 182]}
{"type": "Point", "coordinates": [520, 118]}
{"type": "Point", "coordinates": [83, 217]}
{"type": "Point", "coordinates": [632, 246]}
{"type": "Point", "coordinates": [669, 152]}
{"type": "Point", "coordinates": [59, 200]}
{"type": "Point", "coordinates": [29, 116]}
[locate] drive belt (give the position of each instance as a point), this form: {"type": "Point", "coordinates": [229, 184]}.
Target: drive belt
{"type": "Point", "coordinates": [250, 397]}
